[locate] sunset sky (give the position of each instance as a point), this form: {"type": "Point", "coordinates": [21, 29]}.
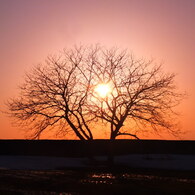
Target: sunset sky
{"type": "Point", "coordinates": [159, 29]}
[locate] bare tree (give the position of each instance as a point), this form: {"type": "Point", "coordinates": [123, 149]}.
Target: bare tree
{"type": "Point", "coordinates": [53, 95]}
{"type": "Point", "coordinates": [140, 94]}
{"type": "Point", "coordinates": [63, 94]}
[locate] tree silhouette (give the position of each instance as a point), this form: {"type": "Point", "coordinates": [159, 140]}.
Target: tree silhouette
{"type": "Point", "coordinates": [62, 94]}
{"type": "Point", "coordinates": [140, 94]}
{"type": "Point", "coordinates": [54, 95]}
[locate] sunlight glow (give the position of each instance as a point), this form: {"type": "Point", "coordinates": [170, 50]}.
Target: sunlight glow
{"type": "Point", "coordinates": [103, 90]}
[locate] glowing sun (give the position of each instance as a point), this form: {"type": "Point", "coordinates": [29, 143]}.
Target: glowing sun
{"type": "Point", "coordinates": [103, 90]}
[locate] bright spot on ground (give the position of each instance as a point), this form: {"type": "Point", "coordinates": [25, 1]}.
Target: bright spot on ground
{"type": "Point", "coordinates": [103, 90]}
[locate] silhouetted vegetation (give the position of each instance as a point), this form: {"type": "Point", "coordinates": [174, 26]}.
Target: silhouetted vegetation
{"type": "Point", "coordinates": [62, 95]}
{"type": "Point", "coordinates": [76, 148]}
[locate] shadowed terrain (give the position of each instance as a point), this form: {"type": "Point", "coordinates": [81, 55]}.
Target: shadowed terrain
{"type": "Point", "coordinates": [94, 178]}
{"type": "Point", "coordinates": [88, 181]}
{"type": "Point", "coordinates": [77, 148]}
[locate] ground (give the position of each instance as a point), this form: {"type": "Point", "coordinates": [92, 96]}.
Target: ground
{"type": "Point", "coordinates": [131, 174]}
{"type": "Point", "coordinates": [115, 180]}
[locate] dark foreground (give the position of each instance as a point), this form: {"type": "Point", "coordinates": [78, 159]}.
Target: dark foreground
{"type": "Point", "coordinates": [93, 181]}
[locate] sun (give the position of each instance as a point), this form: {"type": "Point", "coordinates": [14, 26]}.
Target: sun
{"type": "Point", "coordinates": [103, 90]}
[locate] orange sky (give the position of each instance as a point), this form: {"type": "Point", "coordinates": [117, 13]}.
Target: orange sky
{"type": "Point", "coordinates": [161, 29]}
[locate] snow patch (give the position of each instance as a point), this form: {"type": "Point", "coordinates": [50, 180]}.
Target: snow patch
{"type": "Point", "coordinates": [158, 161]}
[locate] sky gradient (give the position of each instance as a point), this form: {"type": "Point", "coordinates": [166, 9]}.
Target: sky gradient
{"type": "Point", "coordinates": [160, 29]}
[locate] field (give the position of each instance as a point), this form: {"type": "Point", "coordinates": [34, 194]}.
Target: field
{"type": "Point", "coordinates": [96, 181]}
{"type": "Point", "coordinates": [63, 167]}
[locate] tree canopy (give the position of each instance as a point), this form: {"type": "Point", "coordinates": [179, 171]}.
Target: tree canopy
{"type": "Point", "coordinates": [87, 86]}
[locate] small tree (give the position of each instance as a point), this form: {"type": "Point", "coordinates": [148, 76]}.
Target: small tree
{"type": "Point", "coordinates": [88, 85]}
